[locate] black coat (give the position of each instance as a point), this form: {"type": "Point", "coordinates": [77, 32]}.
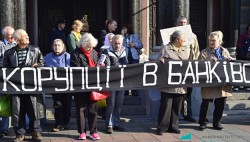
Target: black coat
{"type": "Point", "coordinates": [34, 56]}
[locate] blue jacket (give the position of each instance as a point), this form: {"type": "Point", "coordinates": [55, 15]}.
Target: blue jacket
{"type": "Point", "coordinates": [138, 45]}
{"type": "Point", "coordinates": [53, 60]}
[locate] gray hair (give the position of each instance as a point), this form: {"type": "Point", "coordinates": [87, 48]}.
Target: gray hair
{"type": "Point", "coordinates": [219, 35]}
{"type": "Point", "coordinates": [59, 40]}
{"type": "Point", "coordinates": [4, 30]}
{"type": "Point", "coordinates": [17, 34]}
{"type": "Point", "coordinates": [175, 35]}
{"type": "Point", "coordinates": [88, 40]}
{"type": "Point", "coordinates": [180, 18]}
{"type": "Point", "coordinates": [118, 36]}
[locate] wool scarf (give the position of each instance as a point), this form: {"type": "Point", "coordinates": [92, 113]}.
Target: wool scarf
{"type": "Point", "coordinates": [77, 35]}
{"type": "Point", "coordinates": [88, 55]}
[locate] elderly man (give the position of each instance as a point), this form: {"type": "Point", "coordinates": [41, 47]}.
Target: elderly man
{"type": "Point", "coordinates": [25, 55]}
{"type": "Point", "coordinates": [7, 43]}
{"type": "Point", "coordinates": [186, 109]}
{"type": "Point", "coordinates": [117, 55]}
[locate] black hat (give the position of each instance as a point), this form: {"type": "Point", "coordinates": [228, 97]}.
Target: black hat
{"type": "Point", "coordinates": [59, 21]}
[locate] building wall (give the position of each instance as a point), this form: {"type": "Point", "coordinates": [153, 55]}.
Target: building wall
{"type": "Point", "coordinates": [244, 15]}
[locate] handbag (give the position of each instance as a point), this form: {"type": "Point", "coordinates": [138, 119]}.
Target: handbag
{"type": "Point", "coordinates": [99, 95]}
{"type": "Point", "coordinates": [5, 105]}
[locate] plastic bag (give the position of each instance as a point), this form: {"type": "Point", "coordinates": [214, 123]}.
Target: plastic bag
{"type": "Point", "coordinates": [5, 105]}
{"type": "Point", "coordinates": [99, 95]}
{"type": "Point", "coordinates": [102, 103]}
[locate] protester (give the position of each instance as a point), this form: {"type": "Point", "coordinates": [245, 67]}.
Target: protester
{"type": "Point", "coordinates": [25, 55]}
{"type": "Point", "coordinates": [243, 49]}
{"type": "Point", "coordinates": [214, 94]}
{"type": "Point", "coordinates": [117, 56]}
{"type": "Point", "coordinates": [107, 44]}
{"type": "Point", "coordinates": [107, 41]}
{"type": "Point", "coordinates": [171, 98]}
{"type": "Point", "coordinates": [57, 33]}
{"type": "Point", "coordinates": [195, 51]}
{"type": "Point", "coordinates": [133, 44]}
{"type": "Point", "coordinates": [75, 36]}
{"type": "Point", "coordinates": [85, 56]}
{"type": "Point", "coordinates": [62, 102]}
{"type": "Point", "coordinates": [7, 43]}
{"type": "Point", "coordinates": [110, 27]}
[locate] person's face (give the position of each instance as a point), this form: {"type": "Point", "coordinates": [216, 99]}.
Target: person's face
{"type": "Point", "coordinates": [117, 44]}
{"type": "Point", "coordinates": [24, 39]}
{"type": "Point", "coordinates": [214, 42]}
{"type": "Point", "coordinates": [181, 22]}
{"type": "Point", "coordinates": [124, 31]}
{"type": "Point", "coordinates": [58, 47]}
{"type": "Point", "coordinates": [248, 31]}
{"type": "Point", "coordinates": [61, 25]}
{"type": "Point", "coordinates": [110, 39]}
{"type": "Point", "coordinates": [112, 26]}
{"type": "Point", "coordinates": [8, 36]}
{"type": "Point", "coordinates": [181, 41]}
{"type": "Point", "coordinates": [78, 28]}
{"type": "Point", "coordinates": [88, 48]}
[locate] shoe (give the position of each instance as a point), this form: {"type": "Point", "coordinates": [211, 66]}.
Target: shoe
{"type": "Point", "coordinates": [19, 138]}
{"type": "Point", "coordinates": [36, 136]}
{"type": "Point", "coordinates": [172, 130]}
{"type": "Point", "coordinates": [247, 89]}
{"type": "Point", "coordinates": [202, 127]}
{"type": "Point", "coordinates": [66, 126]}
{"type": "Point", "coordinates": [58, 128]}
{"type": "Point", "coordinates": [159, 132]}
{"type": "Point", "coordinates": [206, 120]}
{"type": "Point", "coordinates": [217, 127]}
{"type": "Point", "coordinates": [2, 134]}
{"type": "Point", "coordinates": [109, 130]}
{"type": "Point", "coordinates": [95, 136]}
{"type": "Point", "coordinates": [119, 128]}
{"type": "Point", "coordinates": [190, 119]}
{"type": "Point", "coordinates": [236, 89]}
{"type": "Point", "coordinates": [82, 136]}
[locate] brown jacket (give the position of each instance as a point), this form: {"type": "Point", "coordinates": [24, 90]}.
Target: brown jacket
{"type": "Point", "coordinates": [214, 92]}
{"type": "Point", "coordinates": [167, 52]}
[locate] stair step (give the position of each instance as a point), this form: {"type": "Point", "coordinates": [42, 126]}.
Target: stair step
{"type": "Point", "coordinates": [237, 105]}
{"type": "Point", "coordinates": [236, 112]}
{"type": "Point", "coordinates": [131, 100]}
{"type": "Point", "coordinates": [240, 95]}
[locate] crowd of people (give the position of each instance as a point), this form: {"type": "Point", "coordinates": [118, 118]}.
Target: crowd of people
{"type": "Point", "coordinates": [119, 48]}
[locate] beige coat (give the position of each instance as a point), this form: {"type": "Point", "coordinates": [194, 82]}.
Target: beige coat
{"type": "Point", "coordinates": [214, 92]}
{"type": "Point", "coordinates": [167, 52]}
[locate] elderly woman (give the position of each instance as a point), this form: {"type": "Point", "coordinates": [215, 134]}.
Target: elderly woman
{"type": "Point", "coordinates": [75, 36]}
{"type": "Point", "coordinates": [85, 56]}
{"type": "Point", "coordinates": [214, 94]}
{"type": "Point", "coordinates": [171, 98]}
{"type": "Point", "coordinates": [62, 102]}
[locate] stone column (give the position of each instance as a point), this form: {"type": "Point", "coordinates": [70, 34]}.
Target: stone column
{"type": "Point", "coordinates": [7, 13]}
{"type": "Point", "coordinates": [136, 16]}
{"type": "Point", "coordinates": [20, 14]}
{"type": "Point", "coordinates": [180, 8]}
{"type": "Point", "coordinates": [235, 24]}
{"type": "Point", "coordinates": [163, 18]}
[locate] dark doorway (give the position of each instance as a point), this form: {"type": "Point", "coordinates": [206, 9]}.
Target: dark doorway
{"type": "Point", "coordinates": [198, 16]}
{"type": "Point", "coordinates": [51, 10]}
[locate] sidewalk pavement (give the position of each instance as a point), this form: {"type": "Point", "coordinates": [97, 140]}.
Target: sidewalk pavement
{"type": "Point", "coordinates": [141, 128]}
